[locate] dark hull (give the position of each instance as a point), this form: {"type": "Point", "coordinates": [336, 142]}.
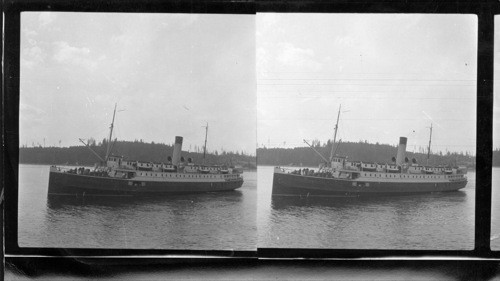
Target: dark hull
{"type": "Point", "coordinates": [306, 186]}
{"type": "Point", "coordinates": [81, 185]}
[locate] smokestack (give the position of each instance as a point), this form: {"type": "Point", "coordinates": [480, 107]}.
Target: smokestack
{"type": "Point", "coordinates": [400, 158]}
{"type": "Point", "coordinates": [177, 151]}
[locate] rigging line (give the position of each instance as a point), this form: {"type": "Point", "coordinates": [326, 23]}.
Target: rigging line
{"type": "Point", "coordinates": [407, 91]}
{"type": "Point", "coordinates": [368, 79]}
{"type": "Point", "coordinates": [424, 143]}
{"type": "Point", "coordinates": [366, 119]}
{"type": "Point", "coordinates": [351, 73]}
{"type": "Point", "coordinates": [353, 84]}
{"type": "Point", "coordinates": [369, 96]}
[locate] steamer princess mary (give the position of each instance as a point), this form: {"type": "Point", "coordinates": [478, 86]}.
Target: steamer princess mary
{"type": "Point", "coordinates": [343, 178]}
{"type": "Point", "coordinates": [121, 177]}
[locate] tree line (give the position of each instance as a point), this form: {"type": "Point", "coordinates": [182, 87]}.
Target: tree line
{"type": "Point", "coordinates": [132, 150]}
{"type": "Point", "coordinates": [356, 151]}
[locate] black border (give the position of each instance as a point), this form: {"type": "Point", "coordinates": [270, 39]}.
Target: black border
{"type": "Point", "coordinates": [484, 10]}
{"type": "Point", "coordinates": [237, 269]}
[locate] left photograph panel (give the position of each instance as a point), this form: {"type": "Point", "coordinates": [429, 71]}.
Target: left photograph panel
{"type": "Point", "coordinates": [137, 131]}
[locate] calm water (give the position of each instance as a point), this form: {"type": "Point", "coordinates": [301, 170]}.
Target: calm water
{"type": "Point", "coordinates": [430, 221]}
{"type": "Point", "coordinates": [211, 221]}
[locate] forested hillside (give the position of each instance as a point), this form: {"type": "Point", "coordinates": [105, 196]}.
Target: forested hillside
{"type": "Point", "coordinates": [359, 151]}
{"type": "Point", "coordinates": [137, 150]}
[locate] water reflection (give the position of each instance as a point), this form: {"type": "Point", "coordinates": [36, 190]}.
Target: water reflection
{"type": "Point", "coordinates": [423, 221]}
{"type": "Point", "coordinates": [284, 202]}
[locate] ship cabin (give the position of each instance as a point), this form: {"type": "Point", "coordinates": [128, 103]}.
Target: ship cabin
{"type": "Point", "coordinates": [191, 168]}
{"type": "Point", "coordinates": [353, 166]}
{"type": "Point", "coordinates": [338, 162]}
{"type": "Point", "coordinates": [114, 161]}
{"type": "Point", "coordinates": [415, 169]}
{"type": "Point", "coordinates": [129, 164]}
{"type": "Point", "coordinates": [154, 167]}
{"type": "Point", "coordinates": [123, 174]}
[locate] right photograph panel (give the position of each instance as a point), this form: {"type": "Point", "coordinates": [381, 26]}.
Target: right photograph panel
{"type": "Point", "coordinates": [366, 131]}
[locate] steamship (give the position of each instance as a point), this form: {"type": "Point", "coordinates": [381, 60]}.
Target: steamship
{"type": "Point", "coordinates": [117, 176]}
{"type": "Point", "coordinates": [340, 177]}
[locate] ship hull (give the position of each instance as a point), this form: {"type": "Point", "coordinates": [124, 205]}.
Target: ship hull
{"type": "Point", "coordinates": [66, 184]}
{"type": "Point", "coordinates": [285, 184]}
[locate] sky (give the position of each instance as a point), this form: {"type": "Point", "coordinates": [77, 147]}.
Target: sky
{"type": "Point", "coordinates": [394, 75]}
{"type": "Point", "coordinates": [170, 74]}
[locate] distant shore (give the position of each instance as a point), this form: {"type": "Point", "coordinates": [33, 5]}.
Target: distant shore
{"type": "Point", "coordinates": [133, 151]}
{"type": "Point", "coordinates": [359, 151]}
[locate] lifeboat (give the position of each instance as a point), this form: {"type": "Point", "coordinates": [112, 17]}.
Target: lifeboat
{"type": "Point", "coordinates": [429, 170]}
{"type": "Point", "coordinates": [368, 167]}
{"type": "Point", "coordinates": [392, 168]}
{"type": "Point", "coordinates": [204, 170]}
{"type": "Point", "coordinates": [169, 168]}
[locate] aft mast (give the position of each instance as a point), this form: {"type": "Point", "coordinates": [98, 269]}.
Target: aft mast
{"type": "Point", "coordinates": [205, 146]}
{"type": "Point", "coordinates": [429, 148]}
{"type": "Point", "coordinates": [335, 135]}
{"type": "Point", "coordinates": [110, 135]}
